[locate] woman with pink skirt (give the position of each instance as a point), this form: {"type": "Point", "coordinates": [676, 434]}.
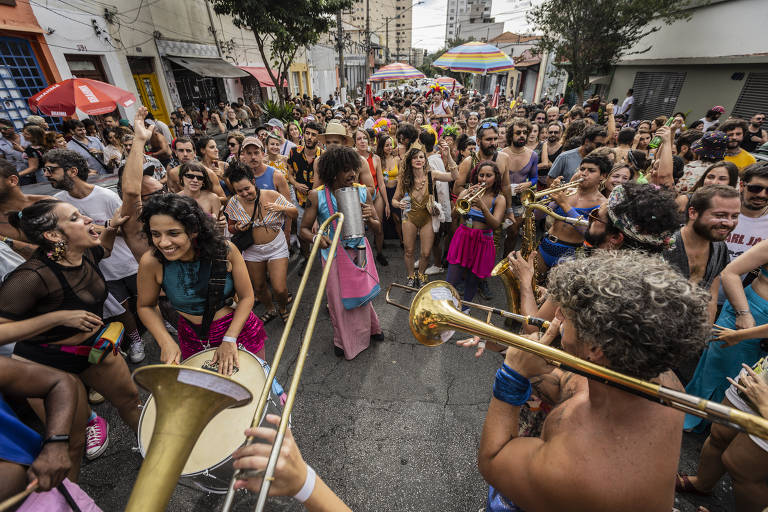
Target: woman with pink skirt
{"type": "Point", "coordinates": [353, 328]}
{"type": "Point", "coordinates": [472, 254]}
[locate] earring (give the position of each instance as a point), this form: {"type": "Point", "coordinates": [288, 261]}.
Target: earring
{"type": "Point", "coordinates": [58, 250]}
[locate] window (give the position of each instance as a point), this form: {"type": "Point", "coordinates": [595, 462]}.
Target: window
{"type": "Point", "coordinates": [656, 93]}
{"type": "Point", "coordinates": [20, 78]}
{"type": "Point", "coordinates": [753, 97]}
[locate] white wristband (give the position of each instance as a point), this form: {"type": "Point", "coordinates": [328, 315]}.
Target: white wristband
{"type": "Point", "coordinates": [314, 238]}
{"type": "Point", "coordinates": [229, 339]}
{"type": "Point", "coordinates": [309, 486]}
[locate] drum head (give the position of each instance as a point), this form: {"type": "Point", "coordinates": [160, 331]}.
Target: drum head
{"type": "Point", "coordinates": [224, 434]}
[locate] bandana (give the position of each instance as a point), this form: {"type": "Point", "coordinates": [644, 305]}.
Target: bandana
{"type": "Point", "coordinates": [632, 230]}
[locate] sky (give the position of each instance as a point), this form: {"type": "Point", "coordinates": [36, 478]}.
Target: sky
{"type": "Point", "coordinates": [429, 21]}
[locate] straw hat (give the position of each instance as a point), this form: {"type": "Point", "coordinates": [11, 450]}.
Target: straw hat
{"type": "Point", "coordinates": [334, 128]}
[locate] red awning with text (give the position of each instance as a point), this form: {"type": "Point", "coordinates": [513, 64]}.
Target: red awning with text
{"type": "Point", "coordinates": [262, 75]}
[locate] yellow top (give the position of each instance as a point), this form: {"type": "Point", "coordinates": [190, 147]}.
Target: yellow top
{"type": "Point", "coordinates": [741, 160]}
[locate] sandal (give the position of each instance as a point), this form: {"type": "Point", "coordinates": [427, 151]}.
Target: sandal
{"type": "Point", "coordinates": [268, 316]}
{"type": "Point", "coordinates": [284, 315]}
{"type": "Point", "coordinates": [683, 484]}
{"type": "Point", "coordinates": [289, 299]}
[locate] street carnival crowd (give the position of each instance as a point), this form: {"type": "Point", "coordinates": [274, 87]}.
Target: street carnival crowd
{"type": "Point", "coordinates": [670, 272]}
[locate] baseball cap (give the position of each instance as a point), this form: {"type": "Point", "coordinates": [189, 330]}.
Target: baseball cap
{"type": "Point", "coordinates": [712, 145]}
{"type": "Point", "coordinates": [276, 123]}
{"type": "Point", "coordinates": [255, 141]}
{"type": "Point", "coordinates": [718, 108]}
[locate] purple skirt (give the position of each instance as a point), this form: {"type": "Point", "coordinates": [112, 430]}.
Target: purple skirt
{"type": "Point", "coordinates": [251, 338]}
{"type": "Point", "coordinates": [473, 249]}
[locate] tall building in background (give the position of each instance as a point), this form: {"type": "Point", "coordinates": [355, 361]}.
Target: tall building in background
{"type": "Point", "coordinates": [471, 19]}
{"type": "Point", "coordinates": [390, 20]}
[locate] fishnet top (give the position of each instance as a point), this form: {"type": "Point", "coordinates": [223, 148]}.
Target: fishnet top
{"type": "Point", "coordinates": [40, 286]}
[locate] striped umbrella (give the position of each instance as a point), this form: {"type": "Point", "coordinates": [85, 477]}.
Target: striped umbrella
{"type": "Point", "coordinates": [448, 82]}
{"type": "Point", "coordinates": [396, 71]}
{"type": "Point", "coordinates": [475, 57]}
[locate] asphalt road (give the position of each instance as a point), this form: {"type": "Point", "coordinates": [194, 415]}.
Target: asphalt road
{"type": "Point", "coordinates": [395, 429]}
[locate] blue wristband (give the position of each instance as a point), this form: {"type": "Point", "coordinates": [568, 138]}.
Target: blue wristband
{"type": "Point", "coordinates": [511, 387]}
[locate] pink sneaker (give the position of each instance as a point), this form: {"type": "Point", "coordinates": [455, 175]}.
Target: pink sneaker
{"type": "Point", "coordinates": [97, 437]}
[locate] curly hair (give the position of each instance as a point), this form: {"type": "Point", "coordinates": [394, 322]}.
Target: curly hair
{"type": "Point", "coordinates": [652, 211]}
{"type": "Point", "coordinates": [643, 314]}
{"type": "Point", "coordinates": [188, 213]}
{"type": "Point", "coordinates": [520, 122]}
{"type": "Point", "coordinates": [334, 160]}
{"type": "Point", "coordinates": [66, 159]}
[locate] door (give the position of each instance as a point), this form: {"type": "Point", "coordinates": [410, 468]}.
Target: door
{"type": "Point", "coordinates": [151, 97]}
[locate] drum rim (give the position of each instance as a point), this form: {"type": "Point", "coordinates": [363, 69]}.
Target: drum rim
{"type": "Point", "coordinates": [143, 450]}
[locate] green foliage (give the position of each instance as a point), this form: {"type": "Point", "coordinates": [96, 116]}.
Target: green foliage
{"type": "Point", "coordinates": [589, 36]}
{"type": "Point", "coordinates": [282, 28]}
{"type": "Point", "coordinates": [281, 111]}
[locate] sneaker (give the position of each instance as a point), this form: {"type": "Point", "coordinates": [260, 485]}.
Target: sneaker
{"type": "Point", "coordinates": [136, 352]}
{"type": "Point", "coordinates": [96, 438]}
{"type": "Point", "coordinates": [382, 260]}
{"type": "Point", "coordinates": [94, 397]}
{"type": "Point", "coordinates": [433, 270]}
{"type": "Point", "coordinates": [411, 282]}
{"type": "Point", "coordinates": [416, 264]}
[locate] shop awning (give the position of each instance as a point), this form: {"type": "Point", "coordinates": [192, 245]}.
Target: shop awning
{"type": "Point", "coordinates": [217, 68]}
{"type": "Point", "coordinates": [262, 75]}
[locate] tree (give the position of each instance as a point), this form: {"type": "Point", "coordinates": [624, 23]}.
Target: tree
{"type": "Point", "coordinates": [590, 36]}
{"type": "Point", "coordinates": [282, 28]}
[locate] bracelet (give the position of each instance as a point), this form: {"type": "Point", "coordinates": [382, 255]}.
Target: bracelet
{"type": "Point", "coordinates": [511, 387]}
{"type": "Point", "coordinates": [229, 339]}
{"type": "Point", "coordinates": [309, 486]}
{"type": "Point", "coordinates": [742, 312]}
{"type": "Point", "coordinates": [106, 224]}
{"type": "Point", "coordinates": [314, 238]}
{"type": "Point", "coordinates": [510, 210]}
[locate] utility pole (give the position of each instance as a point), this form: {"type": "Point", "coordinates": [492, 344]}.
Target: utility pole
{"type": "Point", "coordinates": [340, 48]}
{"type": "Point", "coordinates": [367, 38]}
{"type": "Point", "coordinates": [386, 43]}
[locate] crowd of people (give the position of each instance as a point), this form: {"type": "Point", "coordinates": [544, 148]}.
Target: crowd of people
{"type": "Point", "coordinates": [652, 263]}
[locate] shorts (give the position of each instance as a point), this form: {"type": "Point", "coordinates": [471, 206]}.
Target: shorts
{"type": "Point", "coordinates": [274, 250]}
{"type": "Point", "coordinates": [552, 251]}
{"type": "Point", "coordinates": [123, 289]}
{"type": "Point", "coordinates": [251, 337]}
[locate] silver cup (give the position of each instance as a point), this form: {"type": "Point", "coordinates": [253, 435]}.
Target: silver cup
{"type": "Point", "coordinates": [348, 201]}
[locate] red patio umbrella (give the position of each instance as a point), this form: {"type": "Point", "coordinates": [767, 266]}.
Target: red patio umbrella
{"type": "Point", "coordinates": [89, 96]}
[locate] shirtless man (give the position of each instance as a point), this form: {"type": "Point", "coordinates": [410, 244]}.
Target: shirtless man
{"type": "Point", "coordinates": [523, 173]}
{"type": "Point", "coordinates": [597, 452]}
{"type": "Point", "coordinates": [700, 252]}
{"type": "Point", "coordinates": [563, 238]}
{"type": "Point", "coordinates": [185, 152]}
{"type": "Point", "coordinates": [13, 199]}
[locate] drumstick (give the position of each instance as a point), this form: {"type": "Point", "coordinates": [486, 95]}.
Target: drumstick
{"type": "Point", "coordinates": [7, 504]}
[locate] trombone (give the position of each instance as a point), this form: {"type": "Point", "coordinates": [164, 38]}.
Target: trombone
{"type": "Point", "coordinates": [464, 204]}
{"type": "Point", "coordinates": [434, 317]}
{"type": "Point", "coordinates": [268, 474]}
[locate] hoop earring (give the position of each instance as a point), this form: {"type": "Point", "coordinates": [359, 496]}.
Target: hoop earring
{"type": "Point", "coordinates": [58, 250]}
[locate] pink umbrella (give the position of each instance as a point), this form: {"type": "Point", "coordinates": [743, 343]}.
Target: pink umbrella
{"type": "Point", "coordinates": [89, 96]}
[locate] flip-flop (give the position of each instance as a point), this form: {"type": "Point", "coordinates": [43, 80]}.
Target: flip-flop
{"type": "Point", "coordinates": [683, 484]}
{"type": "Point", "coordinates": [289, 299]}
{"type": "Point", "coordinates": [268, 316]}
{"type": "Point", "coordinates": [284, 315]}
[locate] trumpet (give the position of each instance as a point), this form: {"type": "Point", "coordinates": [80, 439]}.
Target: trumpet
{"type": "Point", "coordinates": [465, 203]}
{"type": "Point", "coordinates": [529, 197]}
{"type": "Point", "coordinates": [434, 317]}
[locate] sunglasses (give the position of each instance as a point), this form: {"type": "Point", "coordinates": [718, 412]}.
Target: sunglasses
{"type": "Point", "coordinates": [50, 168]}
{"type": "Point", "coordinates": [198, 177]}
{"type": "Point", "coordinates": [593, 216]}
{"type": "Point", "coordinates": [231, 144]}
{"type": "Point", "coordinates": [755, 189]}
{"type": "Point", "coordinates": [489, 125]}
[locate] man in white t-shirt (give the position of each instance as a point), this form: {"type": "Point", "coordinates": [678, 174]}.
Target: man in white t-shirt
{"type": "Point", "coordinates": [626, 106]}
{"type": "Point", "coordinates": [68, 172]}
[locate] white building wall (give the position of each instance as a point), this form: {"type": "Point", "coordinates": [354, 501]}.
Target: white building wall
{"type": "Point", "coordinates": [322, 70]}
{"type": "Point", "coordinates": [74, 34]}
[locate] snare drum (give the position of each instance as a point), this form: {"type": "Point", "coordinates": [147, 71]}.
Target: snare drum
{"type": "Point", "coordinates": [209, 466]}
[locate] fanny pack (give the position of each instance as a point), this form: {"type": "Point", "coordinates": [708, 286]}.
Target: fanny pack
{"type": "Point", "coordinates": [99, 346]}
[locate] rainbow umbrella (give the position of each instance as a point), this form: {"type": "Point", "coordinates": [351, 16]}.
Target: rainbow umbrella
{"type": "Point", "coordinates": [396, 71]}
{"type": "Point", "coordinates": [475, 57]}
{"type": "Point", "coordinates": [448, 82]}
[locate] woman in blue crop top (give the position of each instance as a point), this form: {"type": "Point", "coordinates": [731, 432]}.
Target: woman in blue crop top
{"type": "Point", "coordinates": [472, 254]}
{"type": "Point", "coordinates": [563, 239]}
{"type": "Point", "coordinates": [184, 240]}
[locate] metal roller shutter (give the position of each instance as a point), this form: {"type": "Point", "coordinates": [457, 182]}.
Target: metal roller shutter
{"type": "Point", "coordinates": [656, 93]}
{"type": "Point", "coordinates": [753, 97]}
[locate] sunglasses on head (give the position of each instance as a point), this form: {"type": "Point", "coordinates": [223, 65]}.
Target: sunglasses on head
{"type": "Point", "coordinates": [755, 189]}
{"type": "Point", "coordinates": [489, 124]}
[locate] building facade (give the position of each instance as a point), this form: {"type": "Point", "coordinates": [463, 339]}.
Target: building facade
{"type": "Point", "coordinates": [389, 21]}
{"type": "Point", "coordinates": [471, 20]}
{"type": "Point", "coordinates": [718, 57]}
